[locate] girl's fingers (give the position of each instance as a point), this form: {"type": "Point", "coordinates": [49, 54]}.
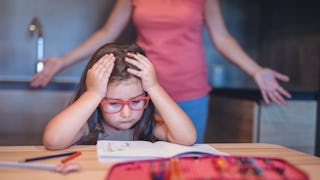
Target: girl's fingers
{"type": "Point", "coordinates": [145, 69]}
{"type": "Point", "coordinates": [135, 63]}
{"type": "Point", "coordinates": [106, 60]}
{"type": "Point", "coordinates": [103, 67]}
{"type": "Point", "coordinates": [104, 63]}
{"type": "Point", "coordinates": [98, 75]}
{"type": "Point", "coordinates": [135, 72]}
{"type": "Point", "coordinates": [140, 58]}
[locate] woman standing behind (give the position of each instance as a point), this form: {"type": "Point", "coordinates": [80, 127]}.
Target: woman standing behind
{"type": "Point", "coordinates": [170, 31]}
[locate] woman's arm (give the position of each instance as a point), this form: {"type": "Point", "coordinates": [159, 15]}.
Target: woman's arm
{"type": "Point", "coordinates": [177, 126]}
{"type": "Point", "coordinates": [67, 127]}
{"type": "Point", "coordinates": [265, 78]}
{"type": "Point", "coordinates": [112, 28]}
{"type": "Point", "coordinates": [223, 41]}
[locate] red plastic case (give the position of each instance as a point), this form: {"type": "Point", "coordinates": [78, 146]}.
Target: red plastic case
{"type": "Point", "coordinates": [207, 167]}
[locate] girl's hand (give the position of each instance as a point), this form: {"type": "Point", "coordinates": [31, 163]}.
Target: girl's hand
{"type": "Point", "coordinates": [266, 80]}
{"type": "Point", "coordinates": [98, 76]}
{"type": "Point", "coordinates": [146, 73]}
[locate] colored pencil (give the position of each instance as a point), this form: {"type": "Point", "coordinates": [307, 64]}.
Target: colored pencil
{"type": "Point", "coordinates": [49, 157]}
{"type": "Point", "coordinates": [78, 153]}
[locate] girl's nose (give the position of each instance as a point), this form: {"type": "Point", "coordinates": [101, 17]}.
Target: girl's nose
{"type": "Point", "coordinates": [125, 112]}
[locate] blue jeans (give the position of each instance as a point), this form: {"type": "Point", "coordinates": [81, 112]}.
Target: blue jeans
{"type": "Point", "coordinates": [197, 110]}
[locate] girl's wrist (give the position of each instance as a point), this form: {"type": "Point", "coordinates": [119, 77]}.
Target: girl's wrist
{"type": "Point", "coordinates": [152, 88]}
{"type": "Point", "coordinates": [93, 95]}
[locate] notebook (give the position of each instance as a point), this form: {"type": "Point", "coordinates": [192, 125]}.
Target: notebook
{"type": "Point", "coordinates": [140, 150]}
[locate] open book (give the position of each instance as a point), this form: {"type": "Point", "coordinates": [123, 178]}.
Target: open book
{"type": "Point", "coordinates": [138, 150]}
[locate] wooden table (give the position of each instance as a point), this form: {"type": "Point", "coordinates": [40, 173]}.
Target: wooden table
{"type": "Point", "coordinates": [92, 169]}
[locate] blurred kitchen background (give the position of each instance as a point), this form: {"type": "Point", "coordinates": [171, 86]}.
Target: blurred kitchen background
{"type": "Point", "coordinates": [281, 34]}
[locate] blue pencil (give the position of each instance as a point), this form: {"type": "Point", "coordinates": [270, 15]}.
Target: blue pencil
{"type": "Point", "coordinates": [48, 157]}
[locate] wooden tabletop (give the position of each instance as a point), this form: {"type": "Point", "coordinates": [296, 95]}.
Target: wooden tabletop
{"type": "Point", "coordinates": [92, 169]}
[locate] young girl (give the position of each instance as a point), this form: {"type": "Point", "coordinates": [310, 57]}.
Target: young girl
{"type": "Point", "coordinates": [116, 100]}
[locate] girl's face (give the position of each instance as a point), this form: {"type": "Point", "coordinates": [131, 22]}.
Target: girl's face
{"type": "Point", "coordinates": [123, 91]}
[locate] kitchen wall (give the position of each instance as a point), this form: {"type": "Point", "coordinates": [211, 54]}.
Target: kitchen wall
{"type": "Point", "coordinates": [290, 41]}
{"type": "Point", "coordinates": [65, 24]}
{"type": "Point", "coordinates": [281, 34]}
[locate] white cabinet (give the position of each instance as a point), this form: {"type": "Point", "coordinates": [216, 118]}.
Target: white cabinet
{"type": "Point", "coordinates": [293, 125]}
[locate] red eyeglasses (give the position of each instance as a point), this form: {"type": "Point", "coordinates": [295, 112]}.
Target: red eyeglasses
{"type": "Point", "coordinates": [112, 106]}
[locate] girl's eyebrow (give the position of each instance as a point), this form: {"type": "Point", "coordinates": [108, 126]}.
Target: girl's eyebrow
{"type": "Point", "coordinates": [142, 94]}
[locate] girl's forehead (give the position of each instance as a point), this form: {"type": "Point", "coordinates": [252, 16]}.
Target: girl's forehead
{"type": "Point", "coordinates": [125, 89]}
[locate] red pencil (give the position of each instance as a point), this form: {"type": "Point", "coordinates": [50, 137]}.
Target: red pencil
{"type": "Point", "coordinates": [78, 153]}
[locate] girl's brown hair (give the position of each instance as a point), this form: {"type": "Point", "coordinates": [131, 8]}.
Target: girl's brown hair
{"type": "Point", "coordinates": [143, 130]}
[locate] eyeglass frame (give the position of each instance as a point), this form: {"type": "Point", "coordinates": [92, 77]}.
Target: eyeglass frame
{"type": "Point", "coordinates": [123, 103]}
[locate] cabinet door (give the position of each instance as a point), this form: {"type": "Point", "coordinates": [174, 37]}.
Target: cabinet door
{"type": "Point", "coordinates": [293, 125]}
{"type": "Point", "coordinates": [231, 120]}
{"type": "Point", "coordinates": [24, 114]}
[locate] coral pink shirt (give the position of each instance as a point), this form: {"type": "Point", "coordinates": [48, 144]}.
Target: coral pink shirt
{"type": "Point", "coordinates": [170, 31]}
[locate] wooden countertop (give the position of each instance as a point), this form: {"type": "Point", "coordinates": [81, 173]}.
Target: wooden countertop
{"type": "Point", "coordinates": [92, 169]}
{"type": "Point", "coordinates": [255, 94]}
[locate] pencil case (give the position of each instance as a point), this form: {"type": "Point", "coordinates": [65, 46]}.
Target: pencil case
{"type": "Point", "coordinates": [207, 167]}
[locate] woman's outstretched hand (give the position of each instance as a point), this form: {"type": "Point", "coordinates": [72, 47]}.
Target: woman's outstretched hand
{"type": "Point", "coordinates": [51, 67]}
{"type": "Point", "coordinates": [266, 79]}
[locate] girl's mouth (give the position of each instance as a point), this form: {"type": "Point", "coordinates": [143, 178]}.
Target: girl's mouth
{"type": "Point", "coordinates": [125, 122]}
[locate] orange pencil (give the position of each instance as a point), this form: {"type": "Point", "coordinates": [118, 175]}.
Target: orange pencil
{"type": "Point", "coordinates": [78, 153]}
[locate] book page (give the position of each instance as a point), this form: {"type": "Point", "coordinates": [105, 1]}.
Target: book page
{"type": "Point", "coordinates": [134, 150]}
{"type": "Point", "coordinates": [172, 149]}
